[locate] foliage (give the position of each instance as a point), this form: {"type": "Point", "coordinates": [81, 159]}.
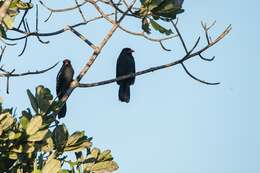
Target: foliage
{"type": "Point", "coordinates": [33, 143]}
{"type": "Point", "coordinates": [12, 12]}
{"type": "Point", "coordinates": [152, 10]}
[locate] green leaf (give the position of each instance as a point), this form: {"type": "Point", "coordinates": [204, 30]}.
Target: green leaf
{"type": "Point", "coordinates": [168, 9]}
{"type": "Point", "coordinates": [75, 137]}
{"type": "Point", "coordinates": [44, 98]}
{"type": "Point", "coordinates": [13, 4]}
{"type": "Point", "coordinates": [159, 28]}
{"type": "Point", "coordinates": [145, 26]}
{"type": "Point", "coordinates": [105, 156]}
{"type": "Point", "coordinates": [13, 156]}
{"type": "Point", "coordinates": [17, 149]}
{"type": "Point", "coordinates": [2, 32]}
{"type": "Point", "coordinates": [33, 101]}
{"type": "Point", "coordinates": [6, 120]}
{"type": "Point", "coordinates": [8, 21]}
{"type": "Point", "coordinates": [154, 3]}
{"type": "Point", "coordinates": [147, 6]}
{"type": "Point", "coordinates": [24, 120]}
{"type": "Point", "coordinates": [60, 136]}
{"type": "Point", "coordinates": [107, 166]}
{"type": "Point", "coordinates": [37, 171]}
{"type": "Point", "coordinates": [1, 130]}
{"type": "Point", "coordinates": [95, 152]}
{"type": "Point", "coordinates": [34, 125]}
{"type": "Point", "coordinates": [13, 135]}
{"type": "Point", "coordinates": [78, 147]}
{"type": "Point", "coordinates": [52, 166]}
{"type": "Point", "coordinates": [23, 5]}
{"type": "Point", "coordinates": [38, 136]}
{"type": "Point", "coordinates": [48, 145]}
{"type": "Point", "coordinates": [28, 148]}
{"type": "Point", "coordinates": [72, 164]}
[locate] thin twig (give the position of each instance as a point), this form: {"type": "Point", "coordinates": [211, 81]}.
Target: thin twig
{"type": "Point", "coordinates": [24, 14]}
{"type": "Point", "coordinates": [164, 47]}
{"type": "Point", "coordinates": [80, 11]}
{"type": "Point", "coordinates": [37, 27]}
{"type": "Point", "coordinates": [2, 52]}
{"type": "Point", "coordinates": [63, 9]}
{"type": "Point", "coordinates": [180, 36]}
{"type": "Point", "coordinates": [197, 79]}
{"type": "Point", "coordinates": [207, 59]}
{"type": "Point", "coordinates": [26, 34]}
{"type": "Point", "coordinates": [25, 41]}
{"type": "Point", "coordinates": [11, 74]}
{"type": "Point", "coordinates": [82, 37]}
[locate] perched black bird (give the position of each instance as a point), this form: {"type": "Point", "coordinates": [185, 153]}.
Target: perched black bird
{"type": "Point", "coordinates": [125, 65]}
{"type": "Point", "coordinates": [63, 80]}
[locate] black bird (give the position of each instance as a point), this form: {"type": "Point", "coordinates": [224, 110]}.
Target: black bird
{"type": "Point", "coordinates": [63, 80]}
{"type": "Point", "coordinates": [125, 65]}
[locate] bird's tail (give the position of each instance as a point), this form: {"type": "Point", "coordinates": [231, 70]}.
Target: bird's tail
{"type": "Point", "coordinates": [62, 111]}
{"type": "Point", "coordinates": [124, 93]}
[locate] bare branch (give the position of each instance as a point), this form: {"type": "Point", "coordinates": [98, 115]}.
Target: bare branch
{"type": "Point", "coordinates": [156, 68]}
{"type": "Point", "coordinates": [94, 56]}
{"type": "Point", "coordinates": [25, 41]}
{"type": "Point", "coordinates": [28, 34]}
{"type": "Point", "coordinates": [80, 11]}
{"type": "Point", "coordinates": [25, 13]}
{"type": "Point", "coordinates": [48, 18]}
{"type": "Point", "coordinates": [37, 27]}
{"type": "Point", "coordinates": [11, 74]}
{"type": "Point", "coordinates": [2, 52]}
{"type": "Point", "coordinates": [194, 47]}
{"type": "Point", "coordinates": [180, 36]}
{"type": "Point", "coordinates": [142, 34]}
{"type": "Point", "coordinates": [206, 29]}
{"type": "Point", "coordinates": [207, 59]}
{"type": "Point", "coordinates": [63, 9]}
{"type": "Point", "coordinates": [24, 47]}
{"type": "Point", "coordinates": [197, 79]}
{"type": "Point", "coordinates": [163, 47]}
{"type": "Point", "coordinates": [82, 37]}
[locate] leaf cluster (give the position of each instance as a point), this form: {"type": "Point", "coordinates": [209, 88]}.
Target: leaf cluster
{"type": "Point", "coordinates": [36, 143]}
{"type": "Point", "coordinates": [153, 10]}
{"type": "Point", "coordinates": [12, 12]}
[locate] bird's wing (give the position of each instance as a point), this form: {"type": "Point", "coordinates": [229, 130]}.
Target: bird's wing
{"type": "Point", "coordinates": [59, 82]}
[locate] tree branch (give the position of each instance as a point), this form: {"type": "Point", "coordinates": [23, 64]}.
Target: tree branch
{"type": "Point", "coordinates": [82, 37]}
{"type": "Point", "coordinates": [28, 34]}
{"type": "Point", "coordinates": [63, 9]}
{"type": "Point", "coordinates": [80, 11]}
{"type": "Point", "coordinates": [12, 74]}
{"type": "Point", "coordinates": [168, 65]}
{"type": "Point", "coordinates": [94, 56]}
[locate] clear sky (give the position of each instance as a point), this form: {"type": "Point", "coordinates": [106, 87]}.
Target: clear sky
{"type": "Point", "coordinates": [172, 123]}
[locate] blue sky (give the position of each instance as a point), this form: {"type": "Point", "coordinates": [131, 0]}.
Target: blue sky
{"type": "Point", "coordinates": [172, 123]}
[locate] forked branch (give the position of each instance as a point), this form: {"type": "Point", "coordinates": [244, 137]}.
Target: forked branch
{"type": "Point", "coordinates": [181, 61]}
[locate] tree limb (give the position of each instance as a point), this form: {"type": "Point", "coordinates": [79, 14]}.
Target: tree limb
{"type": "Point", "coordinates": [168, 65]}
{"type": "Point", "coordinates": [6, 73]}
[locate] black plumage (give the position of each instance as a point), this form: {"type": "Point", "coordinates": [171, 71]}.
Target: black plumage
{"type": "Point", "coordinates": [125, 65]}
{"type": "Point", "coordinates": [63, 80]}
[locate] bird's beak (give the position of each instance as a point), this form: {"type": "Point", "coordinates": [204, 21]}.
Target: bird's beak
{"type": "Point", "coordinates": [131, 51]}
